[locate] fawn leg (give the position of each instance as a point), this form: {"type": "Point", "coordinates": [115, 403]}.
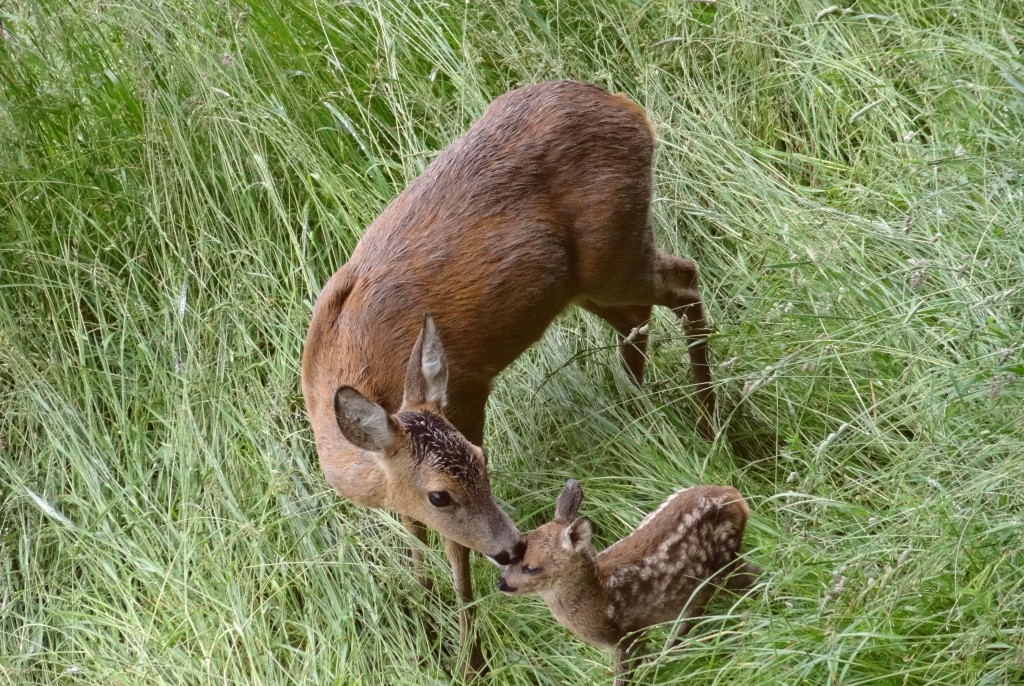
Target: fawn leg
{"type": "Point", "coordinates": [742, 576]}
{"type": "Point", "coordinates": [625, 318]}
{"type": "Point", "coordinates": [626, 659]}
{"type": "Point", "coordinates": [458, 557]}
{"type": "Point", "coordinates": [676, 285]}
{"type": "Point", "coordinates": [694, 609]}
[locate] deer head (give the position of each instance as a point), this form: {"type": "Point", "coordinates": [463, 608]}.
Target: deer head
{"type": "Point", "coordinates": [556, 551]}
{"type": "Point", "coordinates": [435, 475]}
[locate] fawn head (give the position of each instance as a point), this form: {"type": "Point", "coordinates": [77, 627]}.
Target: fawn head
{"type": "Point", "coordinates": [552, 550]}
{"type": "Point", "coordinates": [435, 474]}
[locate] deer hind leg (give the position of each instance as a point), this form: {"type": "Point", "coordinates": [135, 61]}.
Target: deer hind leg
{"type": "Point", "coordinates": [624, 319]}
{"type": "Point", "coordinates": [458, 557]}
{"type": "Point", "coordinates": [675, 285]}
{"type": "Point", "coordinates": [654, 277]}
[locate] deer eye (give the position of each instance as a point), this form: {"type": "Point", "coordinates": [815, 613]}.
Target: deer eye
{"type": "Point", "coordinates": [527, 569]}
{"type": "Point", "coordinates": [439, 498]}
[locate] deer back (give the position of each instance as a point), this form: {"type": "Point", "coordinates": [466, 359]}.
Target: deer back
{"type": "Point", "coordinates": [507, 226]}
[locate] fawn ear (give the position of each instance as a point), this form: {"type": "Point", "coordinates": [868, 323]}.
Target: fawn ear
{"type": "Point", "coordinates": [363, 422]}
{"type": "Point", "coordinates": [426, 377]}
{"type": "Point", "coordinates": [568, 503]}
{"type": "Point", "coordinates": [577, 536]}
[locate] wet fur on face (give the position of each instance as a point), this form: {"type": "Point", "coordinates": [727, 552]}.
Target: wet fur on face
{"type": "Point", "coordinates": [438, 445]}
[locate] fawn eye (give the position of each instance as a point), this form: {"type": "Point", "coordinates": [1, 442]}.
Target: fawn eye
{"type": "Point", "coordinates": [439, 498]}
{"type": "Point", "coordinates": [527, 569]}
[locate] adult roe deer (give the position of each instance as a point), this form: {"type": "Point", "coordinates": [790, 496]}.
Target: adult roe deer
{"type": "Point", "coordinates": [672, 562]}
{"type": "Point", "coordinates": [543, 202]}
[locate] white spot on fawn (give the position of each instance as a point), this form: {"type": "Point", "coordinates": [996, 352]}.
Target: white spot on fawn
{"type": "Point", "coordinates": [647, 520]}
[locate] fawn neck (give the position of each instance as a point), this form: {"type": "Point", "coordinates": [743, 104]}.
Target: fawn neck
{"type": "Point", "coordinates": [580, 604]}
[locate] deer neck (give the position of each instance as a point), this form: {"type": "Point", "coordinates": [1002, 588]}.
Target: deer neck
{"type": "Point", "coordinates": [580, 604]}
{"type": "Point", "coordinates": [355, 474]}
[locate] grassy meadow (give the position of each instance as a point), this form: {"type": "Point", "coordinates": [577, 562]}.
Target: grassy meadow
{"type": "Point", "coordinates": [178, 179]}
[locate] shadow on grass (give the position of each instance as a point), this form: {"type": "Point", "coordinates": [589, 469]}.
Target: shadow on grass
{"type": "Point", "coordinates": [753, 443]}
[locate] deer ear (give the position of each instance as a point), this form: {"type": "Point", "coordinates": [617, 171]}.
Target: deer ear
{"type": "Point", "coordinates": [363, 422]}
{"type": "Point", "coordinates": [568, 503]}
{"type": "Point", "coordinates": [577, 536]}
{"type": "Point", "coordinates": [426, 377]}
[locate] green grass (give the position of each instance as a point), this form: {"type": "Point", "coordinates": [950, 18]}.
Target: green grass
{"type": "Point", "coordinates": [178, 179]}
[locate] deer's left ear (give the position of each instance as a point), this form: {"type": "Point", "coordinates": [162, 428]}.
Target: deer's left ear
{"type": "Point", "coordinates": [426, 376]}
{"type": "Point", "coordinates": [568, 503]}
{"type": "Point", "coordinates": [363, 422]}
{"type": "Point", "coordinates": [577, 536]}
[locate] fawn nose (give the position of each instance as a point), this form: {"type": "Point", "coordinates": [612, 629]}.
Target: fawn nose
{"type": "Point", "coordinates": [505, 558]}
{"type": "Point", "coordinates": [503, 585]}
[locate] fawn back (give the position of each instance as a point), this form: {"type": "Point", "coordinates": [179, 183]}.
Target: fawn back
{"type": "Point", "coordinates": [694, 537]}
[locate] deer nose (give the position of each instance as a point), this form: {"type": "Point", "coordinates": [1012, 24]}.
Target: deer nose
{"type": "Point", "coordinates": [503, 585]}
{"type": "Point", "coordinates": [505, 558]}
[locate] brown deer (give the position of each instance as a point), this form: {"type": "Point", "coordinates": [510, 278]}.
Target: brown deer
{"type": "Point", "coordinates": [672, 563]}
{"type": "Point", "coordinates": [543, 202]}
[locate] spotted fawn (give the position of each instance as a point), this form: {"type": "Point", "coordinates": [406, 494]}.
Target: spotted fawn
{"type": "Point", "coordinates": [667, 568]}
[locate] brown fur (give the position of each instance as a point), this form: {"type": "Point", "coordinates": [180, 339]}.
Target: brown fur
{"type": "Point", "coordinates": [543, 202]}
{"type": "Point", "coordinates": [671, 564]}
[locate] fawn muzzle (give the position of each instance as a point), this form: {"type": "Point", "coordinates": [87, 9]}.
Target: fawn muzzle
{"type": "Point", "coordinates": [504, 587]}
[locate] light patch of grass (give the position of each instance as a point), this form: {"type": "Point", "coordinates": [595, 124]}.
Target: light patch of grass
{"type": "Point", "coordinates": [178, 180]}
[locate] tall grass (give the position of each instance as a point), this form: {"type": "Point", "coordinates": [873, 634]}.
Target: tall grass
{"type": "Point", "coordinates": [177, 179]}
